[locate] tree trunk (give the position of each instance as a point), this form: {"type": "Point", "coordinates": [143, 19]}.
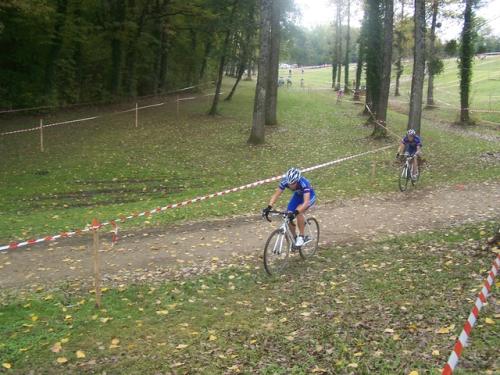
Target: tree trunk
{"type": "Point", "coordinates": [381, 113]}
{"type": "Point", "coordinates": [241, 70]}
{"type": "Point", "coordinates": [162, 61]}
{"type": "Point", "coordinates": [339, 44]}
{"type": "Point", "coordinates": [131, 58]}
{"type": "Point", "coordinates": [225, 47]}
{"type": "Point", "coordinates": [273, 75]}
{"type": "Point", "coordinates": [347, 47]}
{"type": "Point", "coordinates": [399, 49]}
{"type": "Point", "coordinates": [208, 49]}
{"type": "Point", "coordinates": [119, 10]}
{"type": "Point", "coordinates": [465, 64]}
{"type": "Point", "coordinates": [432, 51]}
{"type": "Point", "coordinates": [334, 71]}
{"type": "Point", "coordinates": [417, 81]}
{"type": "Point", "coordinates": [257, 135]}
{"type": "Point", "coordinates": [374, 35]}
{"type": "Point", "coordinates": [55, 46]}
{"type": "Point", "coordinates": [361, 55]}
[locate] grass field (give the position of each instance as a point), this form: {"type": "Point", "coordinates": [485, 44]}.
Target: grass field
{"type": "Point", "coordinates": [390, 307]}
{"type": "Point", "coordinates": [106, 168]}
{"type": "Point", "coordinates": [485, 92]}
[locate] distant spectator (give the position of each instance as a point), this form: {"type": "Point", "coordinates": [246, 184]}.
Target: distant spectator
{"type": "Point", "coordinates": [340, 95]}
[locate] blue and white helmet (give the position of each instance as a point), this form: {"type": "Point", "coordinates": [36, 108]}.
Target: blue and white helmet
{"type": "Point", "coordinates": [411, 132]}
{"type": "Point", "coordinates": [293, 175]}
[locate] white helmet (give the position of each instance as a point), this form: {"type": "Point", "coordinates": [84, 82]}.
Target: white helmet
{"type": "Point", "coordinates": [411, 132]}
{"type": "Point", "coordinates": [293, 175]}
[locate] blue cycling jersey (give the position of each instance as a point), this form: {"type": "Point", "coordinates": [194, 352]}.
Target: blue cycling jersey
{"type": "Point", "coordinates": [303, 186]}
{"type": "Point", "coordinates": [413, 144]}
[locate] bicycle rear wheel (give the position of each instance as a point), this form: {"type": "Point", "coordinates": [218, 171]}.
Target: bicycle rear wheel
{"type": "Point", "coordinates": [276, 252]}
{"type": "Point", "coordinates": [404, 177]}
{"type": "Point", "coordinates": [312, 235]}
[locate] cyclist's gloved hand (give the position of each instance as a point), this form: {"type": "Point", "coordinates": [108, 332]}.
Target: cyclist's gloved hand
{"type": "Point", "coordinates": [266, 210]}
{"type": "Point", "coordinates": [293, 215]}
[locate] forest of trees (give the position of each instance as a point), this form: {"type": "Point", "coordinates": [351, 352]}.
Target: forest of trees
{"type": "Point", "coordinates": [57, 52]}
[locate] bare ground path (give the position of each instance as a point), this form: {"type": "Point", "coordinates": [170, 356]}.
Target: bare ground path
{"type": "Point", "coordinates": [193, 248]}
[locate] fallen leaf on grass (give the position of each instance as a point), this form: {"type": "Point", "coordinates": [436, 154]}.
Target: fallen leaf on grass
{"type": "Point", "coordinates": [115, 343]}
{"type": "Point", "coordinates": [319, 370]}
{"type": "Point", "coordinates": [305, 313]}
{"type": "Point", "coordinates": [6, 365]}
{"type": "Point", "coordinates": [489, 321]}
{"type": "Point", "coordinates": [162, 312]}
{"type": "Point", "coordinates": [212, 338]}
{"type": "Point", "coordinates": [352, 365]}
{"type": "Point", "coordinates": [444, 330]}
{"type": "Point", "coordinates": [62, 360]}
{"type": "Point", "coordinates": [413, 373]}
{"type": "Point", "coordinates": [80, 354]}
{"type": "Point", "coordinates": [56, 348]}
{"type": "Point", "coordinates": [181, 346]}
{"type": "Point", "coordinates": [388, 330]}
{"type": "Point", "coordinates": [435, 352]}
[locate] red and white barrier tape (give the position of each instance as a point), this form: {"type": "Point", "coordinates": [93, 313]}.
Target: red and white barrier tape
{"type": "Point", "coordinates": [472, 319]}
{"type": "Point", "coordinates": [96, 117]}
{"type": "Point", "coordinates": [50, 125]}
{"type": "Point", "coordinates": [102, 102]}
{"type": "Point", "coordinates": [15, 245]}
{"type": "Point", "coordinates": [448, 107]}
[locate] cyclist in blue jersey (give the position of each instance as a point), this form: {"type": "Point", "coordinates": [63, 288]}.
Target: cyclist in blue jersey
{"type": "Point", "coordinates": [303, 197]}
{"type": "Point", "coordinates": [411, 145]}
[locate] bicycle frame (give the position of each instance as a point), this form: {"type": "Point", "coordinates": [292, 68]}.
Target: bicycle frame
{"type": "Point", "coordinates": [285, 228]}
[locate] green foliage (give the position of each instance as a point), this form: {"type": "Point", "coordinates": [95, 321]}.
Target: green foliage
{"type": "Point", "coordinates": [314, 46]}
{"type": "Point", "coordinates": [63, 51]}
{"type": "Point", "coordinates": [451, 48]}
{"type": "Point", "coordinates": [436, 66]}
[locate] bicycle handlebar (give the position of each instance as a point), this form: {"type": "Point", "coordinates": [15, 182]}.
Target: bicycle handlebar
{"type": "Point", "coordinates": [280, 213]}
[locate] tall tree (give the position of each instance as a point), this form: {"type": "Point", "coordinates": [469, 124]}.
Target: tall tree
{"type": "Point", "coordinates": [257, 134]}
{"type": "Point", "coordinates": [417, 81]}
{"type": "Point", "coordinates": [273, 75]}
{"type": "Point", "coordinates": [466, 59]}
{"type": "Point", "coordinates": [361, 53]}
{"type": "Point", "coordinates": [432, 60]}
{"type": "Point", "coordinates": [118, 9]}
{"type": "Point", "coordinates": [347, 47]}
{"type": "Point", "coordinates": [400, 37]}
{"type": "Point", "coordinates": [223, 57]}
{"type": "Point", "coordinates": [374, 44]}
{"type": "Point", "coordinates": [246, 49]}
{"type": "Point", "coordinates": [338, 37]}
{"type": "Point", "coordinates": [55, 45]}
{"type": "Point", "coordinates": [380, 129]}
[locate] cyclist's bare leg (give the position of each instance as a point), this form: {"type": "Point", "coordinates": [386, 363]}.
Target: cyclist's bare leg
{"type": "Point", "coordinates": [414, 168]}
{"type": "Point", "coordinates": [292, 227]}
{"type": "Point", "coordinates": [302, 223]}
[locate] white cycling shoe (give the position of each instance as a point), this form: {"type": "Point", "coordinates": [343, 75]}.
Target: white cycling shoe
{"type": "Point", "coordinates": [300, 241]}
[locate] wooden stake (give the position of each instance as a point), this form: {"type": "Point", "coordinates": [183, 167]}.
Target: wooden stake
{"type": "Point", "coordinates": [373, 171]}
{"type": "Point", "coordinates": [177, 106]}
{"type": "Point", "coordinates": [136, 115]}
{"type": "Point", "coordinates": [41, 135]}
{"type": "Point", "coordinates": [97, 263]}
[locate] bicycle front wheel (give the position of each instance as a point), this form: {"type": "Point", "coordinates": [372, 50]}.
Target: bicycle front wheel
{"type": "Point", "coordinates": [312, 239]}
{"type": "Point", "coordinates": [403, 179]}
{"type": "Point", "coordinates": [276, 252]}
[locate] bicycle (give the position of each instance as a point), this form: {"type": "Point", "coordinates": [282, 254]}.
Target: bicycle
{"type": "Point", "coordinates": [281, 243]}
{"type": "Point", "coordinates": [406, 173]}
